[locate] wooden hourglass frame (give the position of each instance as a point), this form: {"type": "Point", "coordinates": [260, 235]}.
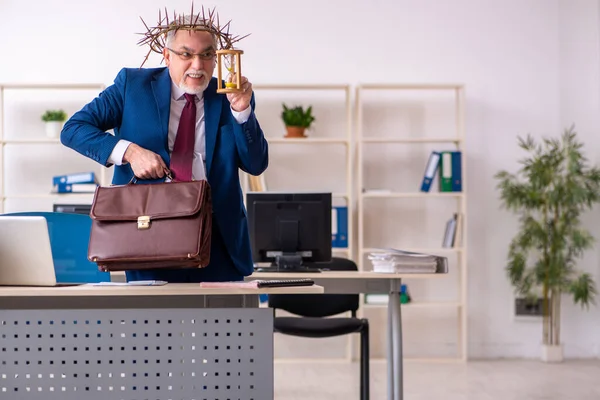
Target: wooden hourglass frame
{"type": "Point", "coordinates": [234, 69]}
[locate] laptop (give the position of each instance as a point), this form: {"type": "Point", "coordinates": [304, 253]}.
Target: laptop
{"type": "Point", "coordinates": [26, 253]}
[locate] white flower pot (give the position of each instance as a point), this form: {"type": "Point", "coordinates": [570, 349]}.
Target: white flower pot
{"type": "Point", "coordinates": [552, 353]}
{"type": "Point", "coordinates": [53, 128]}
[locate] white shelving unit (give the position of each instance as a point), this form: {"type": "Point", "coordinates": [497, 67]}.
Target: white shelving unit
{"type": "Point", "coordinates": [332, 132]}
{"type": "Point", "coordinates": [278, 143]}
{"type": "Point", "coordinates": [410, 134]}
{"type": "Point", "coordinates": [22, 132]}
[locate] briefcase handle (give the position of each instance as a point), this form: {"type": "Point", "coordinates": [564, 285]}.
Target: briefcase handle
{"type": "Point", "coordinates": [168, 174]}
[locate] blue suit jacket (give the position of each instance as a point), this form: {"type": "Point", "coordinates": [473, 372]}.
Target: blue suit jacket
{"type": "Point", "coordinates": [137, 107]}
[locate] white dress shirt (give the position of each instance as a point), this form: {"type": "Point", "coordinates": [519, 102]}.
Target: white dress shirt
{"type": "Point", "coordinates": [177, 104]}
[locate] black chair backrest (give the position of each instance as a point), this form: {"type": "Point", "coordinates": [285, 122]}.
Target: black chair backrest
{"type": "Point", "coordinates": [319, 305]}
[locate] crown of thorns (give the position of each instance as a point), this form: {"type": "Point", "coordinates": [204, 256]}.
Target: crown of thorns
{"type": "Point", "coordinates": [156, 36]}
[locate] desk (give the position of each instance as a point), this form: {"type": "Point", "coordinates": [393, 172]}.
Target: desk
{"type": "Point", "coordinates": [131, 342]}
{"type": "Point", "coordinates": [342, 282]}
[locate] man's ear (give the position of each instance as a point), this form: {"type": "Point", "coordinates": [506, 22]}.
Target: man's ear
{"type": "Point", "coordinates": [167, 56]}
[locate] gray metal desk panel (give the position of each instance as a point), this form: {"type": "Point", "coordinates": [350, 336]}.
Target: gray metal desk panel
{"type": "Point", "coordinates": [177, 341]}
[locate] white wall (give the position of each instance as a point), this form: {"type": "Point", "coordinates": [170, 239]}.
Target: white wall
{"type": "Point", "coordinates": [528, 66]}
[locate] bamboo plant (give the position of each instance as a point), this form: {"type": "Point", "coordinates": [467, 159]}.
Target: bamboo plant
{"type": "Point", "coordinates": [550, 192]}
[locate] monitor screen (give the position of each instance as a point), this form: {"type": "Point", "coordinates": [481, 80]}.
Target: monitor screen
{"type": "Point", "coordinates": [289, 229]}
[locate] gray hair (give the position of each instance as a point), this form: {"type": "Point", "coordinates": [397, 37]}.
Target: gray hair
{"type": "Point", "coordinates": [187, 20]}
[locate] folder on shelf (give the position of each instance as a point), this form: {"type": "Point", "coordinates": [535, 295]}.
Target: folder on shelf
{"type": "Point", "coordinates": [339, 226]}
{"type": "Point", "coordinates": [446, 171]}
{"type": "Point", "coordinates": [75, 188]}
{"type": "Point", "coordinates": [451, 231]}
{"type": "Point", "coordinates": [83, 177]}
{"type": "Point", "coordinates": [430, 170]}
{"type": "Point", "coordinates": [451, 171]}
{"type": "Point", "coordinates": [456, 172]}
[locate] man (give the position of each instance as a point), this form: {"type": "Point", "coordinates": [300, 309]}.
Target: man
{"type": "Point", "coordinates": [144, 107]}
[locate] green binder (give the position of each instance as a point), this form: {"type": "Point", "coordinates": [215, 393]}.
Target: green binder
{"type": "Point", "coordinates": [445, 171]}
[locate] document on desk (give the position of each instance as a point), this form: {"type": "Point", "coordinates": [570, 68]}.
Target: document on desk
{"type": "Point", "coordinates": [131, 283]}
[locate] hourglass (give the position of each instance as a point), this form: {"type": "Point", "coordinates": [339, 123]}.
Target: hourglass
{"type": "Point", "coordinates": [230, 59]}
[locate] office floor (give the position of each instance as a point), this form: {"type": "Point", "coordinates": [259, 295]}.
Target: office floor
{"type": "Point", "coordinates": [475, 380]}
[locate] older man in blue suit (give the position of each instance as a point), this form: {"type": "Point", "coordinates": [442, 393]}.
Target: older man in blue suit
{"type": "Point", "coordinates": [144, 107]}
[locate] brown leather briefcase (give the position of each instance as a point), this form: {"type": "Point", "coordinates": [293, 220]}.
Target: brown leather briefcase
{"type": "Point", "coordinates": [149, 226]}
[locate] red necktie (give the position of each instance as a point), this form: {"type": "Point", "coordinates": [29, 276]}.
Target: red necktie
{"type": "Point", "coordinates": [183, 149]}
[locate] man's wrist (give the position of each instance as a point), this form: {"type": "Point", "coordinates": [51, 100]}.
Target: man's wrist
{"type": "Point", "coordinates": [117, 156]}
{"type": "Point", "coordinates": [130, 152]}
{"type": "Point", "coordinates": [241, 116]}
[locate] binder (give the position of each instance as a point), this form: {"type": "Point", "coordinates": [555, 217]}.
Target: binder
{"type": "Point", "coordinates": [75, 188]}
{"type": "Point", "coordinates": [456, 171]}
{"type": "Point", "coordinates": [430, 170]}
{"type": "Point", "coordinates": [83, 177]}
{"type": "Point", "coordinates": [339, 226]}
{"type": "Point", "coordinates": [446, 171]}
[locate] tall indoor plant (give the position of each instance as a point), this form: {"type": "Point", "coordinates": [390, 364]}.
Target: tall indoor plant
{"type": "Point", "coordinates": [550, 192]}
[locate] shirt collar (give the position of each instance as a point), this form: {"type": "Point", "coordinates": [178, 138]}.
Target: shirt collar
{"type": "Point", "coordinates": [177, 93]}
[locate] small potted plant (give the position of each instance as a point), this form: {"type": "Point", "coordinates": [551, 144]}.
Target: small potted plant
{"type": "Point", "coordinates": [54, 120]}
{"type": "Point", "coordinates": [297, 120]}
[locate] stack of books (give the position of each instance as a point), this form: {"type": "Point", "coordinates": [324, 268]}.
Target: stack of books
{"type": "Point", "coordinates": [399, 261]}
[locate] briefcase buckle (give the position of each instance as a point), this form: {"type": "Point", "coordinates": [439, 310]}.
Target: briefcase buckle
{"type": "Point", "coordinates": [143, 222]}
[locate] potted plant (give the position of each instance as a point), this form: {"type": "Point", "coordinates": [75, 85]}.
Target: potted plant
{"type": "Point", "coordinates": [54, 120]}
{"type": "Point", "coordinates": [297, 120]}
{"type": "Point", "coordinates": [550, 192]}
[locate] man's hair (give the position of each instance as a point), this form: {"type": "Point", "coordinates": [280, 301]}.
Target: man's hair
{"type": "Point", "coordinates": [186, 20]}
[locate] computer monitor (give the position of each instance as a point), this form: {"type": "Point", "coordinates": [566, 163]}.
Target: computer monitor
{"type": "Point", "coordinates": [292, 231]}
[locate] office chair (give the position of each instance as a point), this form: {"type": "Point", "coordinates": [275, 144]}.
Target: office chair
{"type": "Point", "coordinates": [69, 237]}
{"type": "Point", "coordinates": [312, 308]}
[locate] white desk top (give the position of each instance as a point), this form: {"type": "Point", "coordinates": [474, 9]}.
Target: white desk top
{"type": "Point", "coordinates": [170, 289]}
{"type": "Point", "coordinates": [342, 275]}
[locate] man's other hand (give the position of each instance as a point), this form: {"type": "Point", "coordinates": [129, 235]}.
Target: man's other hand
{"type": "Point", "coordinates": [144, 163]}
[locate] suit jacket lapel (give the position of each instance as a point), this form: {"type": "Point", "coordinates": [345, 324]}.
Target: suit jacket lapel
{"type": "Point", "coordinates": [212, 110]}
{"type": "Point", "coordinates": [161, 88]}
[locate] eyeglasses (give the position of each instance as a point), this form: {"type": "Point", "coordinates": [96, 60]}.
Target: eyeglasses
{"type": "Point", "coordinates": [185, 56]}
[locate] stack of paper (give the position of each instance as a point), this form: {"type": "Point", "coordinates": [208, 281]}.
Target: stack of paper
{"type": "Point", "coordinates": [396, 261]}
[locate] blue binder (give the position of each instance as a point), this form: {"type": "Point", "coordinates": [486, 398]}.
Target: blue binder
{"type": "Point", "coordinates": [456, 171]}
{"type": "Point", "coordinates": [339, 236]}
{"type": "Point", "coordinates": [430, 170]}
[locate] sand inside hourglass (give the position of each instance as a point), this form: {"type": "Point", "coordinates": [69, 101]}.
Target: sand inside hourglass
{"type": "Point", "coordinates": [230, 65]}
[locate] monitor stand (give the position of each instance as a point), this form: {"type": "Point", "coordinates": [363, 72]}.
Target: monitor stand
{"type": "Point", "coordinates": [289, 263]}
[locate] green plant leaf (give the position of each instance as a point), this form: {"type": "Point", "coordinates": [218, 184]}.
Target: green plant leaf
{"type": "Point", "coordinates": [583, 290]}
{"type": "Point", "coordinates": [54, 115]}
{"type": "Point", "coordinates": [297, 116]}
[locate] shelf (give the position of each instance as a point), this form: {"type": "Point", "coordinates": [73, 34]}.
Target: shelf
{"type": "Point", "coordinates": [300, 87]}
{"type": "Point", "coordinates": [47, 196]}
{"type": "Point", "coordinates": [52, 86]}
{"type": "Point", "coordinates": [410, 194]}
{"type": "Point", "coordinates": [412, 140]}
{"type": "Point", "coordinates": [31, 141]}
{"type": "Point", "coordinates": [437, 304]}
{"type": "Point", "coordinates": [307, 140]}
{"type": "Point", "coordinates": [340, 249]}
{"type": "Point", "coordinates": [423, 250]}
{"type": "Point", "coordinates": [412, 86]}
